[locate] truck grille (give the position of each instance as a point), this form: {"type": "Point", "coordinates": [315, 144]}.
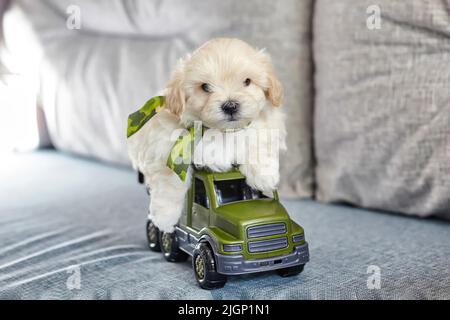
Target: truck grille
{"type": "Point", "coordinates": [266, 230]}
{"type": "Point", "coordinates": [267, 245]}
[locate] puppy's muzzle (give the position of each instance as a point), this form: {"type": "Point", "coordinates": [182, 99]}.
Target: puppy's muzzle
{"type": "Point", "coordinates": [230, 107]}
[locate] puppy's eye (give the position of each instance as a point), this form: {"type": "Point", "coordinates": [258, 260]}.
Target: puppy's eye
{"type": "Point", "coordinates": [247, 82]}
{"type": "Point", "coordinates": [206, 87]}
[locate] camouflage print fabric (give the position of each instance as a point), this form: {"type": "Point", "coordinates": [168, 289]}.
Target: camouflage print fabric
{"type": "Point", "coordinates": [137, 119]}
{"type": "Point", "coordinates": [180, 157]}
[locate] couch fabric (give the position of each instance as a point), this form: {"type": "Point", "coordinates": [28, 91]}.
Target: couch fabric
{"type": "Point", "coordinates": [61, 217]}
{"type": "Point", "coordinates": [92, 78]}
{"type": "Point", "coordinates": [382, 105]}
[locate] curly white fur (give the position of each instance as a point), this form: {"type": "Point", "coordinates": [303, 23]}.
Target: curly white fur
{"type": "Point", "coordinates": [225, 65]}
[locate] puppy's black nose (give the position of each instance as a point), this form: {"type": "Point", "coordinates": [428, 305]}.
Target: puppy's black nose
{"type": "Point", "coordinates": [230, 107]}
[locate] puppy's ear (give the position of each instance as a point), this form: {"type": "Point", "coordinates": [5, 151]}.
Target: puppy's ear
{"type": "Point", "coordinates": [274, 90]}
{"type": "Point", "coordinates": [175, 96]}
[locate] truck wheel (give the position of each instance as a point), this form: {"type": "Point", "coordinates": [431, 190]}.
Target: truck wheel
{"type": "Point", "coordinates": [153, 236]}
{"type": "Point", "coordinates": [291, 271]}
{"type": "Point", "coordinates": [170, 247]}
{"type": "Point", "coordinates": [205, 268]}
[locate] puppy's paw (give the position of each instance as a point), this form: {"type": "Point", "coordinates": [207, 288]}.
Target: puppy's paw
{"type": "Point", "coordinates": [265, 183]}
{"type": "Point", "coordinates": [213, 156]}
{"type": "Point", "coordinates": [165, 213]}
{"type": "Point", "coordinates": [259, 178]}
{"type": "Point", "coordinates": [219, 167]}
{"type": "Point", "coordinates": [164, 222]}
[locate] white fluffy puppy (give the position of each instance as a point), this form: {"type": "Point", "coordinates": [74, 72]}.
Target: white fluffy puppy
{"type": "Point", "coordinates": [228, 85]}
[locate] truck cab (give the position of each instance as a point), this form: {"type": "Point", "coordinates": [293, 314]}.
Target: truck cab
{"type": "Point", "coordinates": [228, 228]}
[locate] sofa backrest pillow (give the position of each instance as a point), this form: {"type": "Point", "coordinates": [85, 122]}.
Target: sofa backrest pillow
{"type": "Point", "coordinates": [91, 78]}
{"type": "Point", "coordinates": [382, 107]}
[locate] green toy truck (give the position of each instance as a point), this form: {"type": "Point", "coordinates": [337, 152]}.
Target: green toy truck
{"type": "Point", "coordinates": [230, 229]}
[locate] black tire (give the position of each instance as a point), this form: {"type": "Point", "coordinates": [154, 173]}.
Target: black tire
{"type": "Point", "coordinates": [153, 236]}
{"type": "Point", "coordinates": [170, 247]}
{"type": "Point", "coordinates": [205, 269]}
{"type": "Point", "coordinates": [141, 178]}
{"type": "Point", "coordinates": [291, 271]}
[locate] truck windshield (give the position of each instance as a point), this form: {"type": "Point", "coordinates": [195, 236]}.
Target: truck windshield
{"type": "Point", "coordinates": [235, 190]}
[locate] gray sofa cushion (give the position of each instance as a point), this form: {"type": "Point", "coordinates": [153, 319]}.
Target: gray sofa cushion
{"type": "Point", "coordinates": [92, 78]}
{"type": "Point", "coordinates": [63, 217]}
{"type": "Point", "coordinates": [382, 134]}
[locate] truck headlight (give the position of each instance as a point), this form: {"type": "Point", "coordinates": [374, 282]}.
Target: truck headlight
{"type": "Point", "coordinates": [232, 247]}
{"type": "Point", "coordinates": [298, 238]}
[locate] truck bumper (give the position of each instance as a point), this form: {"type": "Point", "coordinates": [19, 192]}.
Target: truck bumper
{"type": "Point", "coordinates": [236, 264]}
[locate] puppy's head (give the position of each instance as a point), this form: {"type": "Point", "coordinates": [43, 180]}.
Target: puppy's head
{"type": "Point", "coordinates": [225, 84]}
